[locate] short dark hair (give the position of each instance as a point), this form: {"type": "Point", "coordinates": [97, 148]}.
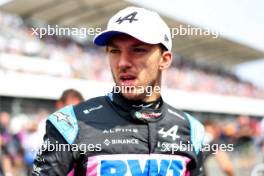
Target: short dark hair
{"type": "Point", "coordinates": [71, 93]}
{"type": "Point", "coordinates": [162, 48]}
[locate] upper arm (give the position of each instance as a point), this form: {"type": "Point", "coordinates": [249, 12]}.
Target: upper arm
{"type": "Point", "coordinates": [49, 160]}
{"type": "Point", "coordinates": [197, 134]}
{"type": "Point", "coordinates": [55, 156]}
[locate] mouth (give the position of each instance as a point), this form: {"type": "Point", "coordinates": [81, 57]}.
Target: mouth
{"type": "Point", "coordinates": [127, 79]}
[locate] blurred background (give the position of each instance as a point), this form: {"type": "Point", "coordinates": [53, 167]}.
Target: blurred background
{"type": "Point", "coordinates": [217, 79]}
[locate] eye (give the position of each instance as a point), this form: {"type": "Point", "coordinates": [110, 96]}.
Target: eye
{"type": "Point", "coordinates": [139, 50]}
{"type": "Point", "coordinates": [114, 50]}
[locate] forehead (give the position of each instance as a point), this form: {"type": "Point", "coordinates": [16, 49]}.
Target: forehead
{"type": "Point", "coordinates": [124, 39]}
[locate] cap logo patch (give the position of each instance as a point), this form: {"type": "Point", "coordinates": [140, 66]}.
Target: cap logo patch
{"type": "Point", "coordinates": [166, 39]}
{"type": "Point", "coordinates": [130, 17]}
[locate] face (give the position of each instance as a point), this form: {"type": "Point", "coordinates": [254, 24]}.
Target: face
{"type": "Point", "coordinates": [72, 101]}
{"type": "Point", "coordinates": [69, 101]}
{"type": "Point", "coordinates": [136, 64]}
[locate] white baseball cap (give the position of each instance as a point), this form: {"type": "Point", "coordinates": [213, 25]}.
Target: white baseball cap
{"type": "Point", "coordinates": [142, 24]}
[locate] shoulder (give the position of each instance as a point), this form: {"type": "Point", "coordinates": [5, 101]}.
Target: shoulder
{"type": "Point", "coordinates": [65, 120]}
{"type": "Point", "coordinates": [176, 113]}
{"type": "Point", "coordinates": [91, 102]}
{"type": "Point", "coordinates": [90, 106]}
{"type": "Point", "coordinates": [197, 132]}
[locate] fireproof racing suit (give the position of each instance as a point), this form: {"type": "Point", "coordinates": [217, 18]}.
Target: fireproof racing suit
{"type": "Point", "coordinates": [110, 136]}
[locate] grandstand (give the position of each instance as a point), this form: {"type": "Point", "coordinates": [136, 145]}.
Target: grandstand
{"type": "Point", "coordinates": [94, 14]}
{"type": "Point", "coordinates": [34, 71]}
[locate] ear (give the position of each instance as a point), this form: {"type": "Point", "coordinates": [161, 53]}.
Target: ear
{"type": "Point", "coordinates": [165, 60]}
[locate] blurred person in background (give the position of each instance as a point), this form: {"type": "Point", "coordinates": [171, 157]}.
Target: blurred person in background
{"type": "Point", "coordinates": [1, 167]}
{"type": "Point", "coordinates": [11, 149]}
{"type": "Point", "coordinates": [31, 143]}
{"type": "Point", "coordinates": [5, 138]}
{"type": "Point", "coordinates": [261, 150]}
{"type": "Point", "coordinates": [69, 97]}
{"type": "Point", "coordinates": [260, 142]}
{"type": "Point", "coordinates": [258, 169]}
{"type": "Point", "coordinates": [245, 137]}
{"type": "Point", "coordinates": [212, 137]}
{"type": "Point", "coordinates": [262, 126]}
{"type": "Point", "coordinates": [244, 134]}
{"type": "Point", "coordinates": [4, 126]}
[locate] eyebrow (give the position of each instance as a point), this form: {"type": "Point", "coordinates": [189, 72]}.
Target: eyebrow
{"type": "Point", "coordinates": [112, 45]}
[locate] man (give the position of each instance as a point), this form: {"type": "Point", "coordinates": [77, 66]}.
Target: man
{"type": "Point", "coordinates": [212, 138]}
{"type": "Point", "coordinates": [132, 131]}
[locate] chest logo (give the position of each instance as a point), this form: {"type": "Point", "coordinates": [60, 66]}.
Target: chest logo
{"type": "Point", "coordinates": [172, 132]}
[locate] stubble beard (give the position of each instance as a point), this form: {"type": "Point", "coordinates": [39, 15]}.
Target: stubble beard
{"type": "Point", "coordinates": [137, 95]}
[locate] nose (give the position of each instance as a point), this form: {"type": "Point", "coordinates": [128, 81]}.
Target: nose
{"type": "Point", "coordinates": [124, 61]}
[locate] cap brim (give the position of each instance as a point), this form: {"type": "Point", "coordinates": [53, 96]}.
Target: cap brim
{"type": "Point", "coordinates": [103, 38]}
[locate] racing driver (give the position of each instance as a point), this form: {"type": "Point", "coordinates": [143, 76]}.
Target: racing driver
{"type": "Point", "coordinates": [126, 133]}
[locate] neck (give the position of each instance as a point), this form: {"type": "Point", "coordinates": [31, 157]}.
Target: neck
{"type": "Point", "coordinates": [154, 93]}
{"type": "Point", "coordinates": [152, 103]}
{"type": "Point", "coordinates": [151, 98]}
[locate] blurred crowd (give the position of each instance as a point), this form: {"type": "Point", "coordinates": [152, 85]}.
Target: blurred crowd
{"type": "Point", "coordinates": [192, 76]}
{"type": "Point", "coordinates": [16, 37]}
{"type": "Point", "coordinates": [246, 134]}
{"type": "Point", "coordinates": [88, 62]}
{"type": "Point", "coordinates": [20, 138]}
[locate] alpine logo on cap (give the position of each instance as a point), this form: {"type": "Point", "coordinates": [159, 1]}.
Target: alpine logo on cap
{"type": "Point", "coordinates": [130, 17]}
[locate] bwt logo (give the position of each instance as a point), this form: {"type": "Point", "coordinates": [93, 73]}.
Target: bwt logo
{"type": "Point", "coordinates": [137, 164]}
{"type": "Point", "coordinates": [133, 167]}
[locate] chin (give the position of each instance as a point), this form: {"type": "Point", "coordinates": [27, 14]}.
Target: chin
{"type": "Point", "coordinates": [133, 96]}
